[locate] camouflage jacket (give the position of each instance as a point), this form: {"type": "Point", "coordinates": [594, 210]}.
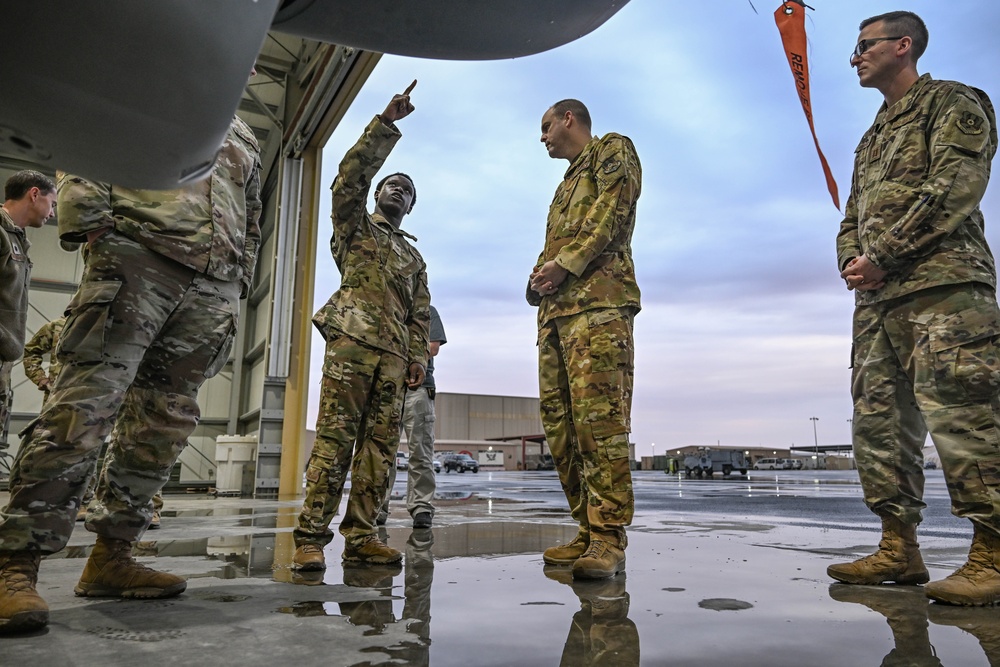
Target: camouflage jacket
{"type": "Point", "coordinates": [15, 277]}
{"type": "Point", "coordinates": [383, 300]}
{"type": "Point", "coordinates": [43, 343]}
{"type": "Point", "coordinates": [210, 226]}
{"type": "Point", "coordinates": [589, 230]}
{"type": "Point", "coordinates": [920, 172]}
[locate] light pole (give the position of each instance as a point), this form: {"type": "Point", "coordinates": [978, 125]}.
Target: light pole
{"type": "Point", "coordinates": [815, 439]}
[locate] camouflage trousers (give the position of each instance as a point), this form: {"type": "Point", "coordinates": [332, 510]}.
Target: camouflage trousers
{"type": "Point", "coordinates": [418, 424]}
{"type": "Point", "coordinates": [585, 369]}
{"type": "Point", "coordinates": [142, 336]}
{"type": "Point", "coordinates": [5, 398]}
{"type": "Point", "coordinates": [100, 477]}
{"type": "Point", "coordinates": [358, 431]}
{"type": "Point", "coordinates": [929, 362]}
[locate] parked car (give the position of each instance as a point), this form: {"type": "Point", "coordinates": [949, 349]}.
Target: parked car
{"type": "Point", "coordinates": [768, 464]}
{"type": "Point", "coordinates": [436, 463]}
{"type": "Point", "coordinates": [459, 463]}
{"type": "Point", "coordinates": [402, 461]}
{"type": "Point", "coordinates": [792, 464]}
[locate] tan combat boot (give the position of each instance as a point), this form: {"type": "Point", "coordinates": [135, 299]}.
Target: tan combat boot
{"type": "Point", "coordinates": [977, 583]}
{"type": "Point", "coordinates": [371, 550]}
{"type": "Point", "coordinates": [601, 560]}
{"type": "Point", "coordinates": [22, 609]}
{"type": "Point", "coordinates": [309, 558]}
{"type": "Point", "coordinates": [897, 559]}
{"type": "Point", "coordinates": [566, 554]}
{"type": "Point", "coordinates": [112, 572]}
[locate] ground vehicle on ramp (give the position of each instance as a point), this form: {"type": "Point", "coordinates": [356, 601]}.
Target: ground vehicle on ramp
{"type": "Point", "coordinates": [705, 462]}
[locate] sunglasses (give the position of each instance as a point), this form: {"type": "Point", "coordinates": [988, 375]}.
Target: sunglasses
{"type": "Point", "coordinates": [866, 44]}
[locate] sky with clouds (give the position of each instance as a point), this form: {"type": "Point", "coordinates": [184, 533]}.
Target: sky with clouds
{"type": "Point", "coordinates": [744, 332]}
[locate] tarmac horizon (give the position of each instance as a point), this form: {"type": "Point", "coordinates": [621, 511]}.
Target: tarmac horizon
{"type": "Point", "coordinates": [721, 570]}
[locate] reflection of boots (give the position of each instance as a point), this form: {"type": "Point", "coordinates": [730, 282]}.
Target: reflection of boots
{"type": "Point", "coordinates": [361, 575]}
{"type": "Point", "coordinates": [601, 632]}
{"type": "Point", "coordinates": [306, 609]}
{"type": "Point", "coordinates": [307, 577]}
{"type": "Point", "coordinates": [977, 583]}
{"type": "Point", "coordinates": [983, 624]}
{"type": "Point", "coordinates": [374, 614]}
{"type": "Point", "coordinates": [897, 559]}
{"type": "Point", "coordinates": [22, 609]}
{"type": "Point", "coordinates": [112, 572]}
{"type": "Point", "coordinates": [905, 610]}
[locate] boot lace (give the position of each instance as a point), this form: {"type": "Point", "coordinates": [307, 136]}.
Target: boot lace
{"type": "Point", "coordinates": [978, 563]}
{"type": "Point", "coordinates": [19, 576]}
{"type": "Point", "coordinates": [885, 551]}
{"type": "Point", "coordinates": [123, 556]}
{"type": "Point", "coordinates": [596, 549]}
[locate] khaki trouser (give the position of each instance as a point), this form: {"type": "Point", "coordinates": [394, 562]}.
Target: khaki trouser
{"type": "Point", "coordinates": [418, 424]}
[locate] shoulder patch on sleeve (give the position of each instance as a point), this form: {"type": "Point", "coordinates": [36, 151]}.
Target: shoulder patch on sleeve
{"type": "Point", "coordinates": [611, 165]}
{"type": "Point", "coordinates": [971, 123]}
{"type": "Point", "coordinates": [966, 125]}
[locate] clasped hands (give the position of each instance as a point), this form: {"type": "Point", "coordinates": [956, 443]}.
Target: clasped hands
{"type": "Point", "coordinates": [862, 275]}
{"type": "Point", "coordinates": [547, 279]}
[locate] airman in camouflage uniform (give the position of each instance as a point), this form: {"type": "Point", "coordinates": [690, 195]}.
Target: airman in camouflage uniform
{"type": "Point", "coordinates": [29, 200]}
{"type": "Point", "coordinates": [926, 322]}
{"type": "Point", "coordinates": [376, 327]}
{"type": "Point", "coordinates": [153, 318]}
{"type": "Point", "coordinates": [44, 342]}
{"type": "Point", "coordinates": [585, 289]}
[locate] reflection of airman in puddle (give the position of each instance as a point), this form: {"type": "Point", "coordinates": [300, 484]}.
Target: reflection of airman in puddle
{"type": "Point", "coordinates": [905, 610]}
{"type": "Point", "coordinates": [417, 581]}
{"type": "Point", "coordinates": [374, 614]}
{"type": "Point", "coordinates": [983, 623]}
{"type": "Point", "coordinates": [601, 632]}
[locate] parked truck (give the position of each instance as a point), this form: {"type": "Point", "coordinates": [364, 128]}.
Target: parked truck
{"type": "Point", "coordinates": [708, 461]}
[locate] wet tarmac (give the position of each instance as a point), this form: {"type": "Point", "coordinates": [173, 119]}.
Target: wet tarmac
{"type": "Point", "coordinates": [722, 571]}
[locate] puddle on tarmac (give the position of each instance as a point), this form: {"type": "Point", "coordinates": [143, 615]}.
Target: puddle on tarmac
{"type": "Point", "coordinates": [724, 604]}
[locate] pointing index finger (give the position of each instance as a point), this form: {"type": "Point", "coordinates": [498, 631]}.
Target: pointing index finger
{"type": "Point", "coordinates": [410, 87]}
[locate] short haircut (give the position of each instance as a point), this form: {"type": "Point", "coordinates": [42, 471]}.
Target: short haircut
{"type": "Point", "coordinates": [18, 185]}
{"type": "Point", "coordinates": [378, 187]}
{"type": "Point", "coordinates": [904, 24]}
{"type": "Point", "coordinates": [578, 109]}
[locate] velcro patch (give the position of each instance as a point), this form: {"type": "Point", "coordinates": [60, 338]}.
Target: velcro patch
{"type": "Point", "coordinates": [611, 165]}
{"type": "Point", "coordinates": [970, 123]}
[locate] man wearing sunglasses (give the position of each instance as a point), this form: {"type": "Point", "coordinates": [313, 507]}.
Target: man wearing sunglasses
{"type": "Point", "coordinates": [926, 321]}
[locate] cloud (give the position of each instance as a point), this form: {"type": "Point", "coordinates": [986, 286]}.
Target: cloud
{"type": "Point", "coordinates": [745, 330]}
